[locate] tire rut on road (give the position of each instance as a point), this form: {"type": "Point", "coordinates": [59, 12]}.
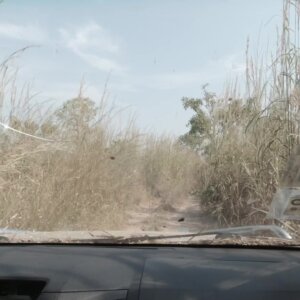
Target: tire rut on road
{"type": "Point", "coordinates": [185, 216]}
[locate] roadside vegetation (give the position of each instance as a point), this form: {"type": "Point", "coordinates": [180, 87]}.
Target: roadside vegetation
{"type": "Point", "coordinates": [247, 135]}
{"type": "Point", "coordinates": [72, 168]}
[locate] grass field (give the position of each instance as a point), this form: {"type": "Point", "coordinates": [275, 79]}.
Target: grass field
{"type": "Point", "coordinates": [70, 168]}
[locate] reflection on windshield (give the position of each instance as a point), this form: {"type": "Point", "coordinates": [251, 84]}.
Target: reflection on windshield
{"type": "Point", "coordinates": [112, 121]}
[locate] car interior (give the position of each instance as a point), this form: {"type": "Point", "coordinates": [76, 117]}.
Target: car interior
{"type": "Point", "coordinates": [147, 272]}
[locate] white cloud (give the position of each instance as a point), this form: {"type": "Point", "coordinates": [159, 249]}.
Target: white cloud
{"type": "Point", "coordinates": [233, 63]}
{"type": "Point", "coordinates": [175, 79]}
{"type": "Point", "coordinates": [124, 86]}
{"type": "Point", "coordinates": [94, 45]}
{"type": "Point", "coordinates": [27, 33]}
{"type": "Point", "coordinates": [218, 69]}
{"type": "Point", "coordinates": [92, 36]}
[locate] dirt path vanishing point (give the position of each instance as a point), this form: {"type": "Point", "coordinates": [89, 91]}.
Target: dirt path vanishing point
{"type": "Point", "coordinates": [183, 216]}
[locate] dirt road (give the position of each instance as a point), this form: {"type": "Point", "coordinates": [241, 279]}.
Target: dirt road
{"type": "Point", "coordinates": [183, 216]}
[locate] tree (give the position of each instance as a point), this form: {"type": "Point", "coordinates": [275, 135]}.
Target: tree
{"type": "Point", "coordinates": [200, 124]}
{"type": "Point", "coordinates": [76, 116]}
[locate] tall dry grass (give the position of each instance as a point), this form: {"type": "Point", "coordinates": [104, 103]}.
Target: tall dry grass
{"type": "Point", "coordinates": [253, 131]}
{"type": "Point", "coordinates": [85, 174]}
{"type": "Point", "coordinates": [70, 168]}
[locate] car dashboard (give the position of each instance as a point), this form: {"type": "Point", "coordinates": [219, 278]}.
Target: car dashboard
{"type": "Point", "coordinates": [65, 272]}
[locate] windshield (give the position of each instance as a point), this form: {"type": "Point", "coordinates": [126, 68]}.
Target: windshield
{"type": "Point", "coordinates": [150, 118]}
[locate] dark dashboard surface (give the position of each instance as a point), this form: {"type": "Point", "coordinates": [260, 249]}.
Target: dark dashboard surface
{"type": "Point", "coordinates": [128, 272]}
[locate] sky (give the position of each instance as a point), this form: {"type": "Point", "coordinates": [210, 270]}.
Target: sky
{"type": "Point", "coordinates": [151, 53]}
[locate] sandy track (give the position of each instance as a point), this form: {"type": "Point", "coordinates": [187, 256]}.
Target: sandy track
{"type": "Point", "coordinates": [184, 216]}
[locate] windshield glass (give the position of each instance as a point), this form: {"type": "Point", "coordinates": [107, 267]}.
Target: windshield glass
{"type": "Point", "coordinates": [147, 118]}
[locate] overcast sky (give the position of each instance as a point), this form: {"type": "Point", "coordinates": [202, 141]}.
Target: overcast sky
{"type": "Point", "coordinates": [154, 51]}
